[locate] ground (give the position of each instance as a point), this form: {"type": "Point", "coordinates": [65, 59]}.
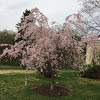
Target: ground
{"type": "Point", "coordinates": [12, 85]}
{"type": "Point", "coordinates": [59, 91]}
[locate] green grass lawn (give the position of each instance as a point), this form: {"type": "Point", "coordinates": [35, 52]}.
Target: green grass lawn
{"type": "Point", "coordinates": [12, 85]}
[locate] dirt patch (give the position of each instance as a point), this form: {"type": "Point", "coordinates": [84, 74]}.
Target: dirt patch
{"type": "Point", "coordinates": [58, 91]}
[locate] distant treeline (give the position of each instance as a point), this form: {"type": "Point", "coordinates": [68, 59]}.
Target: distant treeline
{"type": "Point", "coordinates": [7, 38]}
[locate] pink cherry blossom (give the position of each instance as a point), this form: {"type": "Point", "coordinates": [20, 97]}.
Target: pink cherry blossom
{"type": "Point", "coordinates": [41, 46]}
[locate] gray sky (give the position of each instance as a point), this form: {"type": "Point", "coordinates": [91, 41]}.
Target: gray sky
{"type": "Point", "coordinates": [56, 10]}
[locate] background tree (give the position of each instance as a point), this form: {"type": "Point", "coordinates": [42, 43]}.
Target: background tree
{"type": "Point", "coordinates": [91, 10]}
{"type": "Point", "coordinates": [26, 13]}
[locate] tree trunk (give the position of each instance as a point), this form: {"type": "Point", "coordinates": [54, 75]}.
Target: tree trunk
{"type": "Point", "coordinates": [24, 67]}
{"type": "Point", "coordinates": [52, 82]}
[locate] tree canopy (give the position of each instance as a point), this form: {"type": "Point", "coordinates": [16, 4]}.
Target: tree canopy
{"type": "Point", "coordinates": [43, 48]}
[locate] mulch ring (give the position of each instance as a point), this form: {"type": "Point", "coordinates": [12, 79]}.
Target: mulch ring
{"type": "Point", "coordinates": [58, 91]}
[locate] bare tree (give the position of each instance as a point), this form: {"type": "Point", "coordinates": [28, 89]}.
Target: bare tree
{"type": "Point", "coordinates": [91, 10]}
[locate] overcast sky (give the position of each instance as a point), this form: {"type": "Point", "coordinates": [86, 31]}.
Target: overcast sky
{"type": "Point", "coordinates": [56, 10]}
